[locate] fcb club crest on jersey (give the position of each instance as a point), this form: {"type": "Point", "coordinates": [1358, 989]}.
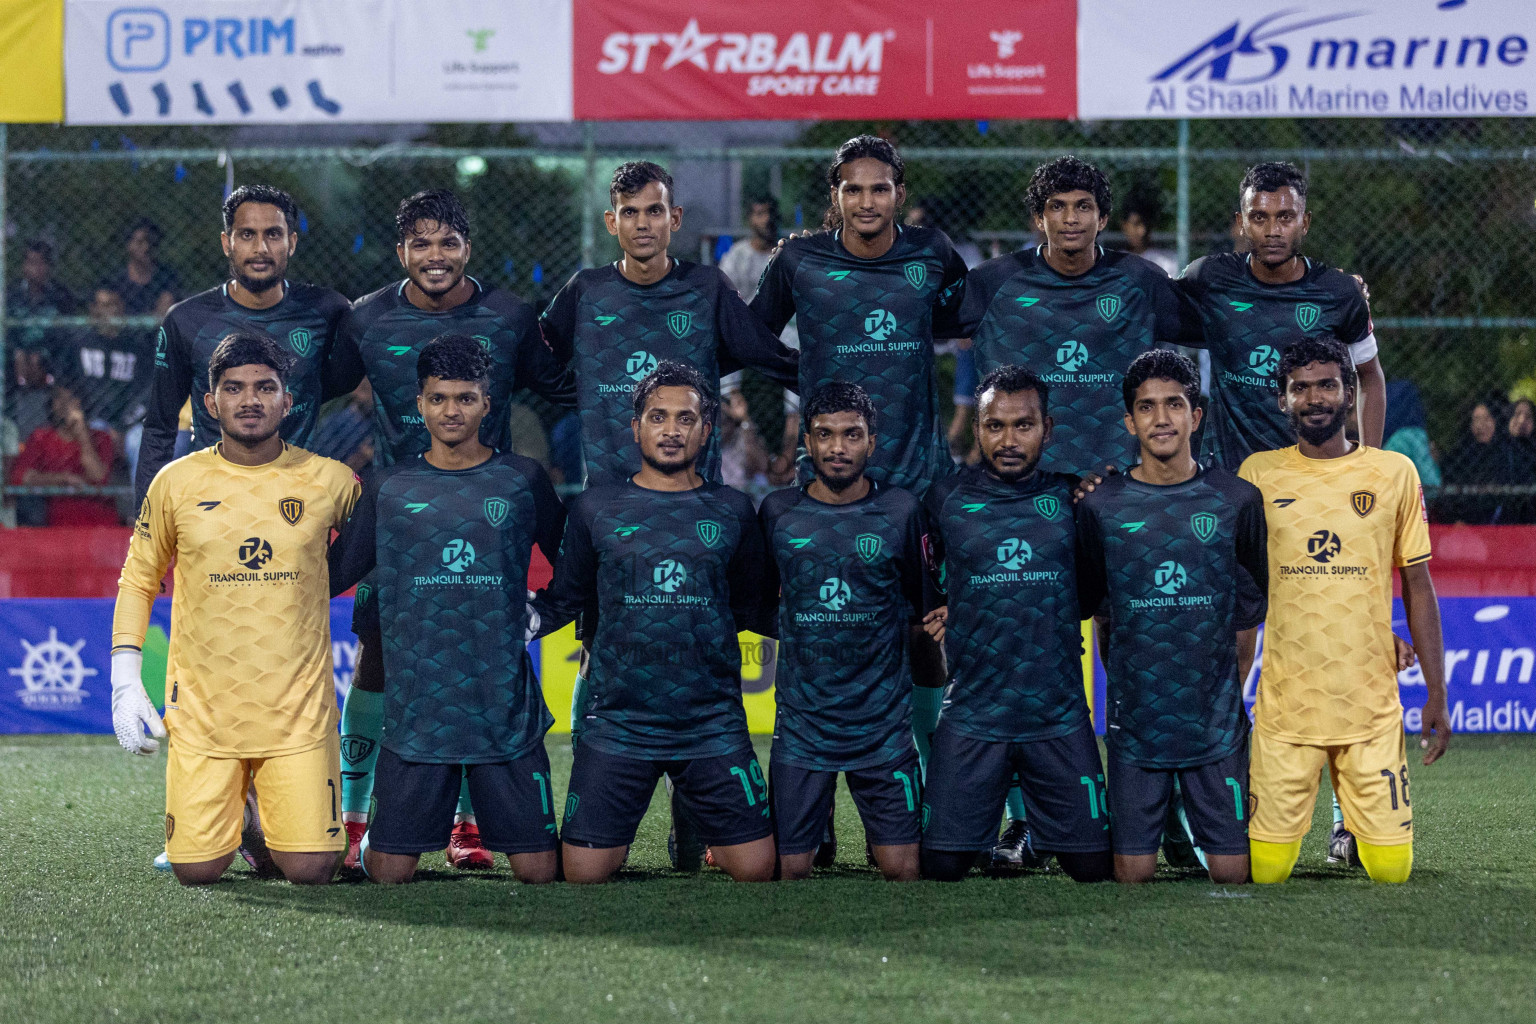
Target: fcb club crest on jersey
{"type": "Point", "coordinates": [1108, 306]}
{"type": "Point", "coordinates": [301, 340]}
{"type": "Point", "coordinates": [1204, 525]}
{"type": "Point", "coordinates": [292, 510]}
{"type": "Point", "coordinates": [680, 323]}
{"type": "Point", "coordinates": [916, 274]}
{"type": "Point", "coordinates": [496, 510]}
{"type": "Point", "coordinates": [868, 545]}
{"type": "Point", "coordinates": [709, 532]}
{"type": "Point", "coordinates": [1047, 506]}
{"type": "Point", "coordinates": [1308, 314]}
{"type": "Point", "coordinates": [1362, 502]}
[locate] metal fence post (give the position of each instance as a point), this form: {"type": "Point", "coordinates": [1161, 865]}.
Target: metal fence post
{"type": "Point", "coordinates": [588, 183]}
{"type": "Point", "coordinates": [1183, 193]}
{"type": "Point", "coordinates": [4, 281]}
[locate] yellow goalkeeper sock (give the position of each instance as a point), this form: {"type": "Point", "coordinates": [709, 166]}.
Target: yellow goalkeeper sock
{"type": "Point", "coordinates": [1272, 862]}
{"type": "Point", "coordinates": [1386, 863]}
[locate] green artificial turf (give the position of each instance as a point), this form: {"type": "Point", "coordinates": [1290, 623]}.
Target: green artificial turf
{"type": "Point", "coordinates": [88, 932]}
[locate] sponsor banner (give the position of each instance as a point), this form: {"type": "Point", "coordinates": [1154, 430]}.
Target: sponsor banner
{"type": "Point", "coordinates": [58, 671]}
{"type": "Point", "coordinates": [31, 40]}
{"type": "Point", "coordinates": [290, 61]}
{"type": "Point", "coordinates": [1306, 58]}
{"type": "Point", "coordinates": [660, 59]}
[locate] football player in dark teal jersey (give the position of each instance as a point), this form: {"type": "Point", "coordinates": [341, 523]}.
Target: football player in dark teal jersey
{"type": "Point", "coordinates": [1004, 533]}
{"type": "Point", "coordinates": [261, 234]}
{"type": "Point", "coordinates": [850, 566]}
{"type": "Point", "coordinates": [447, 536]}
{"type": "Point", "coordinates": [869, 296]}
{"type": "Point", "coordinates": [1254, 306]}
{"type": "Point", "coordinates": [381, 337]}
{"type": "Point", "coordinates": [664, 569]}
{"type": "Point", "coordinates": [614, 323]}
{"type": "Point", "coordinates": [1162, 549]}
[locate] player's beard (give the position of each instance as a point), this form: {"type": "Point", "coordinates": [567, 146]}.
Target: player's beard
{"type": "Point", "coordinates": [1010, 477]}
{"type": "Point", "coordinates": [669, 468]}
{"type": "Point", "coordinates": [1320, 435]}
{"type": "Point", "coordinates": [838, 484]}
{"type": "Point", "coordinates": [256, 285]}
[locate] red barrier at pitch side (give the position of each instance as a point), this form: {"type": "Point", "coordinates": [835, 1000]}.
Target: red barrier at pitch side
{"type": "Point", "coordinates": [661, 59]}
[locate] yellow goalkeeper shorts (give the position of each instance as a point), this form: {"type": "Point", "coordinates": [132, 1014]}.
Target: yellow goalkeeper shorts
{"type": "Point", "coordinates": [1370, 779]}
{"type": "Point", "coordinates": [298, 796]}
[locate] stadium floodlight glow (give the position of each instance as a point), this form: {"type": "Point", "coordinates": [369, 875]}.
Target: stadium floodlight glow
{"type": "Point", "coordinates": [469, 168]}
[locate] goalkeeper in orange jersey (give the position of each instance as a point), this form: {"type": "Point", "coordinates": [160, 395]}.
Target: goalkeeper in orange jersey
{"type": "Point", "coordinates": [249, 691]}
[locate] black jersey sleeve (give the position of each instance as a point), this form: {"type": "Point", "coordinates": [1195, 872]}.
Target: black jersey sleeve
{"type": "Point", "coordinates": [774, 303]}
{"type": "Point", "coordinates": [1253, 557]}
{"type": "Point", "coordinates": [549, 511]}
{"type": "Point", "coordinates": [981, 285]}
{"type": "Point", "coordinates": [1092, 576]}
{"type": "Point", "coordinates": [933, 513]}
{"type": "Point", "coordinates": [950, 300]}
{"type": "Point", "coordinates": [768, 514]}
{"type": "Point", "coordinates": [746, 341]}
{"type": "Point", "coordinates": [919, 578]}
{"type": "Point", "coordinates": [1355, 324]}
{"type": "Point", "coordinates": [558, 321]}
{"type": "Point", "coordinates": [169, 389]}
{"type": "Point", "coordinates": [1191, 287]}
{"type": "Point", "coordinates": [1175, 319]}
{"type": "Point", "coordinates": [573, 590]}
{"type": "Point", "coordinates": [335, 307]}
{"type": "Point", "coordinates": [537, 369]}
{"type": "Point", "coordinates": [748, 574]}
{"type": "Point", "coordinates": [354, 552]}
{"type": "Point", "coordinates": [344, 369]}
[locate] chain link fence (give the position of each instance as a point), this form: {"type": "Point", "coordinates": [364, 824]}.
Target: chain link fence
{"type": "Point", "coordinates": [1437, 216]}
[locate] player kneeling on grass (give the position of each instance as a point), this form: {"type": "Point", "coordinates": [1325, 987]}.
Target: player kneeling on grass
{"type": "Point", "coordinates": [849, 556]}
{"type": "Point", "coordinates": [1340, 515]}
{"type": "Point", "coordinates": [1163, 547]}
{"type": "Point", "coordinates": [1004, 532]}
{"type": "Point", "coordinates": [664, 569]}
{"type": "Point", "coordinates": [249, 681]}
{"type": "Point", "coordinates": [448, 535]}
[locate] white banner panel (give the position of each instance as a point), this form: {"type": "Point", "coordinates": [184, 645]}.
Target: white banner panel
{"type": "Point", "coordinates": [288, 61]}
{"type": "Point", "coordinates": [1305, 58]}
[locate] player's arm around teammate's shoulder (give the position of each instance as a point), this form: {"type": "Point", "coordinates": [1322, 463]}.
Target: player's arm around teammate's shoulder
{"type": "Point", "coordinates": [150, 550]}
{"type": "Point", "coordinates": [1411, 552]}
{"type": "Point", "coordinates": [574, 583]}
{"type": "Point", "coordinates": [354, 551]}
{"type": "Point", "coordinates": [747, 341]}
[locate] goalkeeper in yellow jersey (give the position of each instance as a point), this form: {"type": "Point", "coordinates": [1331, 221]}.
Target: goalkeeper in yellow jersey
{"type": "Point", "coordinates": [1340, 517]}
{"type": "Point", "coordinates": [249, 691]}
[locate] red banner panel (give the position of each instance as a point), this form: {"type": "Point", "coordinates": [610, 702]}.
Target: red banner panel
{"type": "Point", "coordinates": [665, 60]}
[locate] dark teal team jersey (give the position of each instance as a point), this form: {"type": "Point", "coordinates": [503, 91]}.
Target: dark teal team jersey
{"type": "Point", "coordinates": [449, 553]}
{"type": "Point", "coordinates": [1248, 325]}
{"type": "Point", "coordinates": [616, 331]}
{"type": "Point", "coordinates": [383, 334]}
{"type": "Point", "coordinates": [1014, 635]}
{"type": "Point", "coordinates": [852, 580]}
{"type": "Point", "coordinates": [304, 326]}
{"type": "Point", "coordinates": [872, 323]}
{"type": "Point", "coordinates": [1178, 570]}
{"type": "Point", "coordinates": [662, 582]}
{"type": "Point", "coordinates": [1080, 335]}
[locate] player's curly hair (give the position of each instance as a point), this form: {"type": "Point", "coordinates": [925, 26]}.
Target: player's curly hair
{"type": "Point", "coordinates": [454, 357]}
{"type": "Point", "coordinates": [1315, 350]}
{"type": "Point", "coordinates": [438, 205]}
{"type": "Point", "coordinates": [632, 177]}
{"type": "Point", "coordinates": [1273, 176]}
{"type": "Point", "coordinates": [1010, 380]}
{"type": "Point", "coordinates": [1067, 174]}
{"type": "Point", "coordinates": [672, 374]}
{"type": "Point", "coordinates": [246, 348]}
{"type": "Point", "coordinates": [261, 194]}
{"type": "Point", "coordinates": [1160, 364]}
{"type": "Point", "coordinates": [861, 147]}
{"type": "Point", "coordinates": [839, 396]}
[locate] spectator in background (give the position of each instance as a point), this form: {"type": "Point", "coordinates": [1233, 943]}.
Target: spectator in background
{"type": "Point", "coordinates": [146, 285]}
{"type": "Point", "coordinates": [68, 453]}
{"type": "Point", "coordinates": [36, 294]}
{"type": "Point", "coordinates": [743, 457]}
{"type": "Point", "coordinates": [1136, 222]}
{"type": "Point", "coordinates": [743, 265]}
{"type": "Point", "coordinates": [1522, 460]}
{"type": "Point", "coordinates": [1481, 459]}
{"type": "Point", "coordinates": [1407, 433]}
{"type": "Point", "coordinates": [108, 367]}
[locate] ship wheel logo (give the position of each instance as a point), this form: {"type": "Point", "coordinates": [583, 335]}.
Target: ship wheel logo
{"type": "Point", "coordinates": [52, 673]}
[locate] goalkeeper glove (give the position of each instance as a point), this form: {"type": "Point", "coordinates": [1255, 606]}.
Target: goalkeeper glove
{"type": "Point", "coordinates": [533, 621]}
{"type": "Point", "coordinates": [132, 712]}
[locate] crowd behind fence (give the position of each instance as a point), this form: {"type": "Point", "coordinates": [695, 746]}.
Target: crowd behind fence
{"type": "Point", "coordinates": [100, 234]}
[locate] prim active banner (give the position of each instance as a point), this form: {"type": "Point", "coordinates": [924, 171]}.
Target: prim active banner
{"type": "Point", "coordinates": [289, 61]}
{"type": "Point", "coordinates": [57, 678]}
{"type": "Point", "coordinates": [1306, 58]}
{"type": "Point", "coordinates": [729, 59]}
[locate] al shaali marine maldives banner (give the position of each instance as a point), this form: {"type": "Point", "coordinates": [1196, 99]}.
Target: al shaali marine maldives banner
{"type": "Point", "coordinates": [1324, 58]}
{"type": "Point", "coordinates": [292, 61]}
